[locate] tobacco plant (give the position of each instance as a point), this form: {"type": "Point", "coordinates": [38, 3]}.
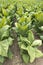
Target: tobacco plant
{"type": "Point", "coordinates": [23, 16]}
{"type": "Point", "coordinates": [28, 45]}
{"type": "Point", "coordinates": [6, 39]}
{"type": "Point", "coordinates": [28, 20]}
{"type": "Point", "coordinates": [38, 23]}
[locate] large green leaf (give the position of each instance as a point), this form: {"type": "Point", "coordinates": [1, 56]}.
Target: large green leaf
{"type": "Point", "coordinates": [3, 22]}
{"type": "Point", "coordinates": [41, 28]}
{"type": "Point", "coordinates": [4, 31]}
{"type": "Point", "coordinates": [5, 12]}
{"type": "Point", "coordinates": [24, 39]}
{"type": "Point", "coordinates": [38, 53]}
{"type": "Point", "coordinates": [31, 52]}
{"type": "Point", "coordinates": [37, 43]}
{"type": "Point", "coordinates": [41, 37]}
{"type": "Point", "coordinates": [1, 59]}
{"type": "Point", "coordinates": [4, 46]}
{"type": "Point", "coordinates": [30, 36]}
{"type": "Point", "coordinates": [25, 58]}
{"type": "Point", "coordinates": [34, 53]}
{"type": "Point", "coordinates": [39, 16]}
{"type": "Point", "coordinates": [23, 47]}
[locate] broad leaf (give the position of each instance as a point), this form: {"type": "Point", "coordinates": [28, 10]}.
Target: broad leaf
{"type": "Point", "coordinates": [38, 53]}
{"type": "Point", "coordinates": [24, 39]}
{"type": "Point", "coordinates": [30, 36]}
{"type": "Point", "coordinates": [3, 22]}
{"type": "Point", "coordinates": [4, 46]}
{"type": "Point", "coordinates": [4, 31]}
{"type": "Point", "coordinates": [23, 47]}
{"type": "Point", "coordinates": [31, 53]}
{"type": "Point", "coordinates": [39, 16]}
{"type": "Point", "coordinates": [1, 59]}
{"type": "Point", "coordinates": [37, 43]}
{"type": "Point", "coordinates": [41, 28]}
{"type": "Point", "coordinates": [41, 37]}
{"type": "Point", "coordinates": [5, 12]}
{"type": "Point", "coordinates": [25, 58]}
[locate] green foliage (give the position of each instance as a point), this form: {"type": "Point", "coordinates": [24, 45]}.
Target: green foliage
{"type": "Point", "coordinates": [4, 46]}
{"type": "Point", "coordinates": [38, 23]}
{"type": "Point", "coordinates": [25, 58]}
{"type": "Point", "coordinates": [2, 59]}
{"type": "Point", "coordinates": [10, 54]}
{"type": "Point", "coordinates": [26, 15]}
{"type": "Point", "coordinates": [29, 47]}
{"type": "Point", "coordinates": [29, 15]}
{"type": "Point", "coordinates": [6, 39]}
{"type": "Point", "coordinates": [23, 25]}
